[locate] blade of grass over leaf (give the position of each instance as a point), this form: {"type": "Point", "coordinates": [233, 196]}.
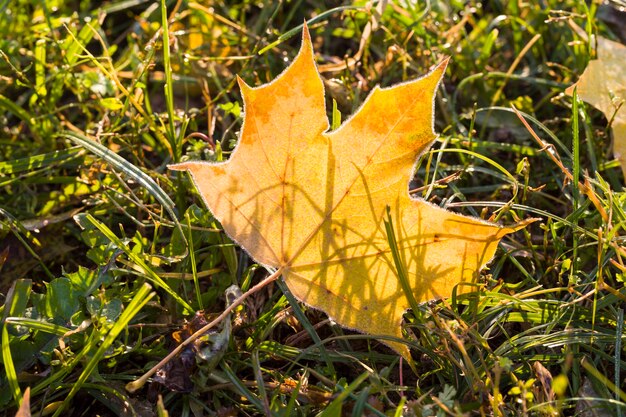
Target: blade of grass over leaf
{"type": "Point", "coordinates": [398, 262]}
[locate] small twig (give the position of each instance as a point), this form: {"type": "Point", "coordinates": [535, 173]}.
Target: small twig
{"type": "Point", "coordinates": [138, 383]}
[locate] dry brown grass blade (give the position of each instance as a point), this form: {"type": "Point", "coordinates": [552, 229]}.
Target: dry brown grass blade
{"type": "Point", "coordinates": [585, 187]}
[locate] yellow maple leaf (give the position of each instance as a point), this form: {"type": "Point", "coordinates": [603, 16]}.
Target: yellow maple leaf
{"type": "Point", "coordinates": [603, 85]}
{"type": "Point", "coordinates": [312, 203]}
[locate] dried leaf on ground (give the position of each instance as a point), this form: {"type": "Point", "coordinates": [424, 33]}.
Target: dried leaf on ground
{"type": "Point", "coordinates": [312, 203]}
{"type": "Point", "coordinates": [603, 85]}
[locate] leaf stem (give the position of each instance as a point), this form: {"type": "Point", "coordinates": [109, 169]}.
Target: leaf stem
{"type": "Point", "coordinates": [138, 383]}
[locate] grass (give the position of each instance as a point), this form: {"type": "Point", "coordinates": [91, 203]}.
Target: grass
{"type": "Point", "coordinates": [105, 256]}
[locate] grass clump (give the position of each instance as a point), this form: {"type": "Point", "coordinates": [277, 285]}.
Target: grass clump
{"type": "Point", "coordinates": [106, 257]}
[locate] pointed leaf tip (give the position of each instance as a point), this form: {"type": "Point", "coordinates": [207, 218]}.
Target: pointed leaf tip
{"type": "Point", "coordinates": [444, 63]}
{"type": "Point", "coordinates": [307, 44]}
{"type": "Point", "coordinates": [243, 86]}
{"type": "Point", "coordinates": [177, 167]}
{"type": "Point", "coordinates": [306, 35]}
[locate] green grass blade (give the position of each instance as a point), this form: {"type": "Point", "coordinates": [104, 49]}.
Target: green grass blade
{"type": "Point", "coordinates": [40, 68]}
{"type": "Point", "coordinates": [241, 387]}
{"type": "Point", "coordinates": [336, 117]}
{"type": "Point", "coordinates": [18, 111]}
{"type": "Point", "coordinates": [54, 379]}
{"type": "Point", "coordinates": [168, 88]}
{"type": "Point", "coordinates": [401, 272]}
{"type": "Point", "coordinates": [358, 409]}
{"type": "Point", "coordinates": [9, 366]}
{"type": "Point", "coordinates": [16, 300]}
{"type": "Point", "coordinates": [617, 359]}
{"type": "Point", "coordinates": [335, 407]}
{"type": "Point", "coordinates": [39, 325]}
{"type": "Point", "coordinates": [71, 46]}
{"type": "Point", "coordinates": [194, 268]}
{"type": "Point", "coordinates": [255, 363]}
{"type": "Point", "coordinates": [575, 150]}
{"type": "Point", "coordinates": [34, 162]}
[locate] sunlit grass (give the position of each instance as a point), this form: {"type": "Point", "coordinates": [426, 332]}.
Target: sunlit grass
{"type": "Point", "coordinates": [96, 273]}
